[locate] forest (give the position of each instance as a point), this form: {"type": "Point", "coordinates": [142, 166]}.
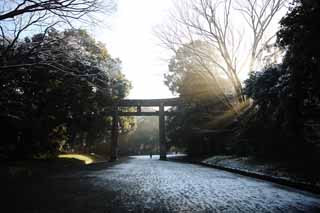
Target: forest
{"type": "Point", "coordinates": [274, 113]}
{"type": "Point", "coordinates": [58, 86]}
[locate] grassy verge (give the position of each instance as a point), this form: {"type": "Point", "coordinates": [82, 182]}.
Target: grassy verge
{"type": "Point", "coordinates": [44, 167]}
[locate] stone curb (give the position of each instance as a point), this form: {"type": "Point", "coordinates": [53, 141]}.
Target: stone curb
{"type": "Point", "coordinates": [278, 180]}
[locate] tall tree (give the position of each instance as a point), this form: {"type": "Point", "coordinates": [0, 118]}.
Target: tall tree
{"type": "Point", "coordinates": [288, 94]}
{"type": "Point", "coordinates": [218, 23]}
{"type": "Point", "coordinates": [299, 35]}
{"type": "Point", "coordinates": [194, 76]}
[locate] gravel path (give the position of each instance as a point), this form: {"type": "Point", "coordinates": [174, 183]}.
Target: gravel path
{"type": "Point", "coordinates": [141, 184]}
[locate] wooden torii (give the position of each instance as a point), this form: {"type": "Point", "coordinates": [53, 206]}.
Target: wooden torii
{"type": "Point", "coordinates": [138, 103]}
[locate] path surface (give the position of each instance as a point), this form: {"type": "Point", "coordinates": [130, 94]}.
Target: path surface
{"type": "Point", "coordinates": [141, 184]}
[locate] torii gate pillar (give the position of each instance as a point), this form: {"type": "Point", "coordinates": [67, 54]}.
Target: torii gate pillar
{"type": "Point", "coordinates": [114, 135]}
{"type": "Point", "coordinates": [162, 136]}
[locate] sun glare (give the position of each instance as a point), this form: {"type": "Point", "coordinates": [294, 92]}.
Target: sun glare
{"type": "Point", "coordinates": [84, 158]}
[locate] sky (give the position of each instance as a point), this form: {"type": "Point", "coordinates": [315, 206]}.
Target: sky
{"type": "Point", "coordinates": [130, 37]}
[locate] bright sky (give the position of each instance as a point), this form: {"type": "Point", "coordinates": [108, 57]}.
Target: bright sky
{"type": "Point", "coordinates": [131, 39]}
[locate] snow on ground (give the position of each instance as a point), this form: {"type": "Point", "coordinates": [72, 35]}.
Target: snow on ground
{"type": "Point", "coordinates": [250, 165]}
{"type": "Point", "coordinates": [143, 184]}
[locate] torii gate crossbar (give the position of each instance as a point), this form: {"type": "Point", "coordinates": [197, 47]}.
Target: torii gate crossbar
{"type": "Point", "coordinates": [138, 103]}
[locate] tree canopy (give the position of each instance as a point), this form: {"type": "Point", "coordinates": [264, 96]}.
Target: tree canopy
{"type": "Point", "coordinates": [287, 95]}
{"type": "Point", "coordinates": [57, 84]}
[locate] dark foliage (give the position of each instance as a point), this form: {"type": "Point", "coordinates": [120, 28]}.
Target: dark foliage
{"type": "Point", "coordinates": [285, 116]}
{"type": "Point", "coordinates": [56, 88]}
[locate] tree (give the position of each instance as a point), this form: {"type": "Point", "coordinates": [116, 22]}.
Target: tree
{"type": "Point", "coordinates": [286, 96]}
{"type": "Point", "coordinates": [214, 22]}
{"type": "Point", "coordinates": [18, 16]}
{"type": "Point", "coordinates": [195, 77]}
{"type": "Point", "coordinates": [265, 119]}
{"type": "Point", "coordinates": [58, 85]}
{"type": "Point", "coordinates": [299, 35]}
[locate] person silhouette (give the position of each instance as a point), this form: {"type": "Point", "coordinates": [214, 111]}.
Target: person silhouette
{"type": "Point", "coordinates": [150, 155]}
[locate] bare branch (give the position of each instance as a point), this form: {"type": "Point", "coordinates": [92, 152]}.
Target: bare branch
{"type": "Point", "coordinates": [19, 16]}
{"type": "Point", "coordinates": [213, 21]}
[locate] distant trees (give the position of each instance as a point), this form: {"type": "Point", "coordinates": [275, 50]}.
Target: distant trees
{"type": "Point", "coordinates": [237, 31]}
{"type": "Point", "coordinates": [143, 139]}
{"type": "Point", "coordinates": [56, 87]}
